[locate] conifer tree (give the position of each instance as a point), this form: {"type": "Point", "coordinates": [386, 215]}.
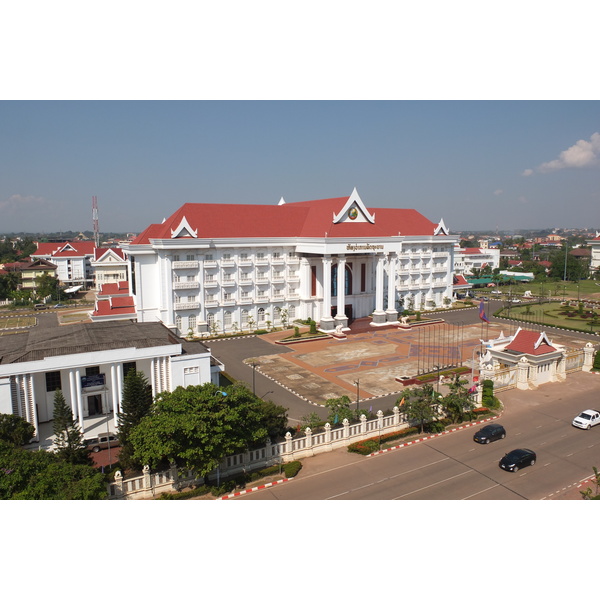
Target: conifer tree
{"type": "Point", "coordinates": [136, 403]}
{"type": "Point", "coordinates": [68, 438]}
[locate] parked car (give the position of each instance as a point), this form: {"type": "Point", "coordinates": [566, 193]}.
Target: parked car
{"type": "Point", "coordinates": [490, 433]}
{"type": "Point", "coordinates": [102, 441]}
{"type": "Point", "coordinates": [40, 307]}
{"type": "Point", "coordinates": [586, 419]}
{"type": "Point", "coordinates": [517, 459]}
{"type": "Point", "coordinates": [60, 306]}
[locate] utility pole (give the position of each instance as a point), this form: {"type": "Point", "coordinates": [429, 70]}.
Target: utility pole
{"type": "Point", "coordinates": [95, 220]}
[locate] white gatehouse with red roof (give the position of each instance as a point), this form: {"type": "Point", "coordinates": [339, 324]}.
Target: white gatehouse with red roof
{"type": "Point", "coordinates": [227, 267]}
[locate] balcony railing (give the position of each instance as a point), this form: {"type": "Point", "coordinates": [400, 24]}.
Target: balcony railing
{"type": "Point", "coordinates": [186, 285]}
{"type": "Point", "coordinates": [187, 305]}
{"type": "Point", "coordinates": [185, 264]}
{"type": "Point", "coordinates": [210, 264]}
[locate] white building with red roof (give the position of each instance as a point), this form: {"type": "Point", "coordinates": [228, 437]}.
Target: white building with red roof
{"type": "Point", "coordinates": [222, 267]}
{"type": "Point", "coordinates": [468, 259]}
{"type": "Point", "coordinates": [72, 259]}
{"type": "Point", "coordinates": [109, 265]}
{"type": "Point", "coordinates": [595, 259]}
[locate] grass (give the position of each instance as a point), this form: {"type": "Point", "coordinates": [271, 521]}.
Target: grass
{"type": "Point", "coordinates": [550, 314]}
{"type": "Point", "coordinates": [585, 289]}
{"type": "Point", "coordinates": [12, 322]}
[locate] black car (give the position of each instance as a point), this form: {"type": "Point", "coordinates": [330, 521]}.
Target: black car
{"type": "Point", "coordinates": [517, 459]}
{"type": "Point", "coordinates": [490, 433]}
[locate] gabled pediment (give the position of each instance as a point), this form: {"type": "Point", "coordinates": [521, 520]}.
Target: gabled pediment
{"type": "Point", "coordinates": [441, 229]}
{"type": "Point", "coordinates": [354, 211]}
{"type": "Point", "coordinates": [184, 230]}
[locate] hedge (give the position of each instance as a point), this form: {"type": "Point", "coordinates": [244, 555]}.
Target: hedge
{"type": "Point", "coordinates": [371, 445]}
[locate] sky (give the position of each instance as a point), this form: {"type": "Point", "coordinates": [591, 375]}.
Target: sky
{"type": "Point", "coordinates": [479, 165]}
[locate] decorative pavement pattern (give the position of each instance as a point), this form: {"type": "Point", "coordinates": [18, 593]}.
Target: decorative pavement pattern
{"type": "Point", "coordinates": [328, 368]}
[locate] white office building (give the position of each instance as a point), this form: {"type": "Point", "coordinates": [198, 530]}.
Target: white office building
{"type": "Point", "coordinates": [228, 267]}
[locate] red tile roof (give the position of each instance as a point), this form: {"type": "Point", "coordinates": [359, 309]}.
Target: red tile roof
{"type": "Point", "coordinates": [114, 306]}
{"type": "Point", "coordinates": [313, 219]}
{"type": "Point", "coordinates": [64, 249]}
{"type": "Point", "coordinates": [531, 342]}
{"type": "Point", "coordinates": [100, 252]}
{"type": "Point", "coordinates": [114, 289]}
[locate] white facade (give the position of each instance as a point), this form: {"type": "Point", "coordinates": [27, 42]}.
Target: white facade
{"type": "Point", "coordinates": [109, 266]}
{"type": "Point", "coordinates": [221, 283]}
{"type": "Point", "coordinates": [468, 259]}
{"type": "Point", "coordinates": [91, 375]}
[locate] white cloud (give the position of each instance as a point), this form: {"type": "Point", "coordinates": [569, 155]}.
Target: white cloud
{"type": "Point", "coordinates": [580, 155]}
{"type": "Point", "coordinates": [18, 204]}
{"type": "Point", "coordinates": [527, 172]}
{"type": "Point", "coordinates": [498, 192]}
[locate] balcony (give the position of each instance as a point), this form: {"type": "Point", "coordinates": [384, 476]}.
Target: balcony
{"type": "Point", "coordinates": [227, 262]}
{"type": "Point", "coordinates": [228, 302]}
{"type": "Point", "coordinates": [210, 264]}
{"type": "Point", "coordinates": [246, 281]}
{"type": "Point", "coordinates": [187, 305]}
{"type": "Point", "coordinates": [186, 285]}
{"type": "Point", "coordinates": [262, 299]}
{"type": "Point", "coordinates": [245, 301]}
{"type": "Point", "coordinates": [293, 296]}
{"type": "Point", "coordinates": [211, 303]}
{"type": "Point", "coordinates": [185, 264]}
{"type": "Point", "coordinates": [211, 283]}
{"type": "Point", "coordinates": [440, 254]}
{"type": "Point", "coordinates": [227, 282]}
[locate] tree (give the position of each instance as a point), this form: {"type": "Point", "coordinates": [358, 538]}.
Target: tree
{"type": "Point", "coordinates": [15, 430]}
{"type": "Point", "coordinates": [46, 285]}
{"type": "Point", "coordinates": [421, 406]}
{"type": "Point", "coordinates": [588, 494]}
{"type": "Point", "coordinates": [135, 405]}
{"type": "Point", "coordinates": [41, 475]}
{"type": "Point", "coordinates": [458, 401]}
{"type": "Point", "coordinates": [596, 365]}
{"type": "Point", "coordinates": [339, 409]}
{"type": "Point", "coordinates": [274, 418]}
{"type": "Point", "coordinates": [68, 438]}
{"type": "Point", "coordinates": [197, 426]}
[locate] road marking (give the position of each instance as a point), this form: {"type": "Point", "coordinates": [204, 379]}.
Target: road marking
{"type": "Point", "coordinates": [481, 491]}
{"type": "Point", "coordinates": [385, 478]}
{"type": "Point", "coordinates": [433, 484]}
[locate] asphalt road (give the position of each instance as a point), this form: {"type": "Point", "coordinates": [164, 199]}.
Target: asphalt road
{"type": "Point", "coordinates": [454, 467]}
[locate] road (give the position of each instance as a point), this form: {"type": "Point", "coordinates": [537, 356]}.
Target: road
{"type": "Point", "coordinates": [453, 467]}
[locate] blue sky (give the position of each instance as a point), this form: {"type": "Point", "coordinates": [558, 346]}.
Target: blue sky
{"type": "Point", "coordinates": [476, 164]}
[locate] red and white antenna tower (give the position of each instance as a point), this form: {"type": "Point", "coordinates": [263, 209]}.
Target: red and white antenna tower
{"type": "Point", "coordinates": [95, 219]}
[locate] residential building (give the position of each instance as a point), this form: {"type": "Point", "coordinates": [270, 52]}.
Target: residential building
{"type": "Point", "coordinates": [35, 269]}
{"type": "Point", "coordinates": [73, 261]}
{"type": "Point", "coordinates": [595, 258]}
{"type": "Point", "coordinates": [214, 267]}
{"type": "Point", "coordinates": [89, 362]}
{"type": "Point", "coordinates": [466, 260]}
{"type": "Point", "coordinates": [109, 265]}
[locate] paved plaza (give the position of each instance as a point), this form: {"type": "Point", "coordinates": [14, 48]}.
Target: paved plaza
{"type": "Point", "coordinates": [376, 357]}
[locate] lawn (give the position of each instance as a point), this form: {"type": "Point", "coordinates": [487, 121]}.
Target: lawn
{"type": "Point", "coordinates": [12, 322]}
{"type": "Point", "coordinates": [555, 314]}
{"type": "Point", "coordinates": [586, 289]}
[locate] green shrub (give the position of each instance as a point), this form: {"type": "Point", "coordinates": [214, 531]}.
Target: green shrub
{"type": "Point", "coordinates": [371, 445]}
{"type": "Point", "coordinates": [313, 327]}
{"type": "Point", "coordinates": [260, 331]}
{"type": "Point", "coordinates": [291, 469]}
{"type": "Point", "coordinates": [297, 332]}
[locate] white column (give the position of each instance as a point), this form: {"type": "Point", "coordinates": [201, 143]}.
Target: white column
{"type": "Point", "coordinates": [114, 385]}
{"type": "Point", "coordinates": [327, 323]}
{"type": "Point", "coordinates": [79, 399]}
{"type": "Point", "coordinates": [391, 312]}
{"type": "Point", "coordinates": [341, 286]}
{"type": "Point", "coordinates": [153, 376]}
{"type": "Point", "coordinates": [379, 315]}
{"type": "Point", "coordinates": [73, 394]}
{"type": "Point", "coordinates": [120, 385]}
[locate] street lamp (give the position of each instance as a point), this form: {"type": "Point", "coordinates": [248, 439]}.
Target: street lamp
{"type": "Point", "coordinates": [253, 365]}
{"type": "Point", "coordinates": [357, 384]}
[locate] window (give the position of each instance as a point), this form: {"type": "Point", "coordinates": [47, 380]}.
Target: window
{"type": "Point", "coordinates": [176, 278]}
{"type": "Point", "coordinates": [227, 319]}
{"type": "Point", "coordinates": [190, 257]}
{"type": "Point", "coordinates": [191, 278]}
{"type": "Point", "coordinates": [260, 256]}
{"type": "Point", "coordinates": [226, 256]}
{"type": "Point", "coordinates": [209, 257]}
{"type": "Point", "coordinates": [192, 322]}
{"type": "Point", "coordinates": [175, 257]}
{"type": "Point", "coordinates": [128, 366]}
{"type": "Point", "coordinates": [209, 277]}
{"type": "Point", "coordinates": [244, 256]}
{"type": "Point", "coordinates": [53, 381]}
{"type": "Point", "coordinates": [210, 319]}
{"type": "Point", "coordinates": [291, 313]}
{"type": "Point", "coordinates": [244, 317]}
{"type": "Point", "coordinates": [292, 255]}
{"type": "Point", "coordinates": [227, 296]}
{"type": "Point", "coordinates": [276, 255]}
{"type": "Point", "coordinates": [245, 294]}
{"type": "Point", "coordinates": [178, 322]}
{"type": "Point", "coordinates": [261, 314]}
{"type": "Point", "coordinates": [191, 298]}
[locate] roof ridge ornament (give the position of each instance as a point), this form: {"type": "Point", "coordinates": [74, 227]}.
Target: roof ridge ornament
{"type": "Point", "coordinates": [352, 209]}
{"type": "Point", "coordinates": [184, 230]}
{"type": "Point", "coordinates": [441, 229]}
